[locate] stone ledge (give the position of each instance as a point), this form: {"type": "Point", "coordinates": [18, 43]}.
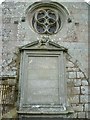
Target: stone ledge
{"type": "Point", "coordinates": [45, 113]}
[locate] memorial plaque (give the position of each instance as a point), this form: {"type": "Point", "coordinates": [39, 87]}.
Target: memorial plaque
{"type": "Point", "coordinates": [42, 81]}
{"type": "Point", "coordinates": [42, 84]}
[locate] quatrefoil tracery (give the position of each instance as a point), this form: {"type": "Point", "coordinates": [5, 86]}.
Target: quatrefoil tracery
{"type": "Point", "coordinates": [46, 21]}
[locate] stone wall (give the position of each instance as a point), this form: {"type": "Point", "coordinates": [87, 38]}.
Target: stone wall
{"type": "Point", "coordinates": [78, 89]}
{"type": "Point", "coordinates": [74, 36]}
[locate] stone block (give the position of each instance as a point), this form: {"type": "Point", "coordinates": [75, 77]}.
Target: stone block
{"type": "Point", "coordinates": [74, 69]}
{"type": "Point", "coordinates": [70, 64]}
{"type": "Point", "coordinates": [84, 90]}
{"type": "Point", "coordinates": [84, 82]}
{"type": "Point", "coordinates": [70, 82]}
{"type": "Point", "coordinates": [77, 82]}
{"type": "Point", "coordinates": [78, 107]}
{"type": "Point", "coordinates": [87, 107]}
{"type": "Point", "coordinates": [88, 115]}
{"type": "Point", "coordinates": [72, 74]}
{"type": "Point", "coordinates": [80, 75]}
{"type": "Point", "coordinates": [74, 99]}
{"type": "Point", "coordinates": [81, 114]}
{"type": "Point", "coordinates": [12, 81]}
{"type": "Point", "coordinates": [69, 89]}
{"type": "Point", "coordinates": [76, 90]}
{"type": "Point", "coordinates": [83, 98]}
{"type": "Point", "coordinates": [74, 115]}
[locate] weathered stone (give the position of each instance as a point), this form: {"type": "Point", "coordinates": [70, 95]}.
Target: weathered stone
{"type": "Point", "coordinates": [72, 74]}
{"type": "Point", "coordinates": [84, 82]}
{"type": "Point", "coordinates": [77, 82]}
{"type": "Point", "coordinates": [88, 115]}
{"type": "Point", "coordinates": [87, 107]}
{"type": "Point", "coordinates": [6, 20]}
{"type": "Point", "coordinates": [74, 115]}
{"type": "Point", "coordinates": [84, 98]}
{"type": "Point", "coordinates": [80, 75]}
{"type": "Point", "coordinates": [73, 36]}
{"type": "Point", "coordinates": [84, 90]}
{"type": "Point", "coordinates": [76, 90]}
{"type": "Point", "coordinates": [78, 107]}
{"type": "Point", "coordinates": [70, 64]}
{"type": "Point", "coordinates": [12, 81]}
{"type": "Point", "coordinates": [74, 69]}
{"type": "Point", "coordinates": [69, 90]}
{"type": "Point", "coordinates": [74, 99]}
{"type": "Point", "coordinates": [70, 82]}
{"type": "Point", "coordinates": [81, 114]}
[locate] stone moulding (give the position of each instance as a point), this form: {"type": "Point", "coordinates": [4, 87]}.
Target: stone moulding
{"type": "Point", "coordinates": [42, 45]}
{"type": "Point", "coordinates": [57, 5]}
{"type": "Point", "coordinates": [61, 11]}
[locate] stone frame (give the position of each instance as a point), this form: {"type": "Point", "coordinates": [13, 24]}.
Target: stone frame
{"type": "Point", "coordinates": [43, 48]}
{"type": "Point", "coordinates": [62, 12]}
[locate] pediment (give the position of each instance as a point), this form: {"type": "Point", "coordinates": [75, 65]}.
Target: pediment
{"type": "Point", "coordinates": [43, 45]}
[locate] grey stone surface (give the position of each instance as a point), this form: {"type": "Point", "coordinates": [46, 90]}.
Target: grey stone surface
{"type": "Point", "coordinates": [84, 82]}
{"type": "Point", "coordinates": [81, 115]}
{"type": "Point", "coordinates": [78, 107]}
{"type": "Point", "coordinates": [87, 107]}
{"type": "Point", "coordinates": [24, 32]}
{"type": "Point", "coordinates": [88, 115]}
{"type": "Point", "coordinates": [84, 90]}
{"type": "Point", "coordinates": [84, 98]}
{"type": "Point", "coordinates": [74, 36]}
{"type": "Point", "coordinates": [72, 74]}
{"type": "Point", "coordinates": [74, 99]}
{"type": "Point", "coordinates": [76, 90]}
{"type": "Point", "coordinates": [77, 82]}
{"type": "Point", "coordinates": [80, 75]}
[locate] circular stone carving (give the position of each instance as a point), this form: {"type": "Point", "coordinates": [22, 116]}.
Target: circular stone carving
{"type": "Point", "coordinates": [46, 18]}
{"type": "Point", "coordinates": [46, 21]}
